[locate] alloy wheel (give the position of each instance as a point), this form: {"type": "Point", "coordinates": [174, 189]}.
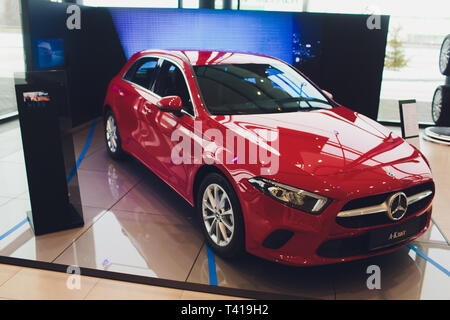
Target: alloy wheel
{"type": "Point", "coordinates": [218, 215]}
{"type": "Point", "coordinates": [111, 134]}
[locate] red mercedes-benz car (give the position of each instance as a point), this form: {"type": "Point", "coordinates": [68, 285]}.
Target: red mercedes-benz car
{"type": "Point", "coordinates": [271, 163]}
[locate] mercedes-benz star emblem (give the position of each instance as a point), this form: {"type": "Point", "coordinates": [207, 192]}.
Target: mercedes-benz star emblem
{"type": "Point", "coordinates": [397, 204]}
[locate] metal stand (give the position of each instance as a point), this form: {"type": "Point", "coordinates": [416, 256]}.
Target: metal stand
{"type": "Point", "coordinates": [437, 134]}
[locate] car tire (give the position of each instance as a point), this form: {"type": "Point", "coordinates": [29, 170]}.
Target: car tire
{"type": "Point", "coordinates": [222, 222]}
{"type": "Point", "coordinates": [112, 136]}
{"type": "Point", "coordinates": [444, 56]}
{"type": "Point", "coordinates": [440, 106]}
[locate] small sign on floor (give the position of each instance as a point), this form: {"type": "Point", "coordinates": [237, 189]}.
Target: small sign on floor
{"type": "Point", "coordinates": [409, 122]}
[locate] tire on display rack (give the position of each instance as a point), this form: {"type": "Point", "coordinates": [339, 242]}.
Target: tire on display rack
{"type": "Point", "coordinates": [440, 106]}
{"type": "Point", "coordinates": [444, 62]}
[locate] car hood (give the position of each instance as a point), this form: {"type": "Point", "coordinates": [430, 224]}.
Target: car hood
{"type": "Point", "coordinates": [322, 142]}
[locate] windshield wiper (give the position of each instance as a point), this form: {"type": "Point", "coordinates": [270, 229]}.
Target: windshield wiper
{"type": "Point", "coordinates": [302, 99]}
{"type": "Point", "coordinates": [278, 108]}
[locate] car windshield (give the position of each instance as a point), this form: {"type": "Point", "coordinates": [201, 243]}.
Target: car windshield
{"type": "Point", "coordinates": [256, 88]}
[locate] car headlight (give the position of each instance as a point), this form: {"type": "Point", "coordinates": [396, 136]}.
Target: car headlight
{"type": "Point", "coordinates": [290, 196]}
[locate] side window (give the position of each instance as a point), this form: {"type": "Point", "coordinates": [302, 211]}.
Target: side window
{"type": "Point", "coordinates": [170, 82]}
{"type": "Point", "coordinates": [143, 72]}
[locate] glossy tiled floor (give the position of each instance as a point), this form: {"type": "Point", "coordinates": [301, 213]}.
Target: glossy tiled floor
{"type": "Point", "coordinates": [25, 283]}
{"type": "Point", "coordinates": [135, 224]}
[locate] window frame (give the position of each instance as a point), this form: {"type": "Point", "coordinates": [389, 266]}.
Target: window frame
{"type": "Point", "coordinates": [161, 60]}
{"type": "Point", "coordinates": [135, 67]}
{"type": "Point", "coordinates": [161, 68]}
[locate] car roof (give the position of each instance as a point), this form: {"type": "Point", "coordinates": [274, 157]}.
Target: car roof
{"type": "Point", "coordinates": [210, 57]}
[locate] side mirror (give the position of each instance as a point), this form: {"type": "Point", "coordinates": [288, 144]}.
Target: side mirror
{"type": "Point", "coordinates": [170, 104]}
{"type": "Point", "coordinates": [329, 95]}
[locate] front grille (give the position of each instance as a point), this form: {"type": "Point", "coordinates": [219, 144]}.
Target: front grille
{"type": "Point", "coordinates": [356, 246]}
{"type": "Point", "coordinates": [381, 218]}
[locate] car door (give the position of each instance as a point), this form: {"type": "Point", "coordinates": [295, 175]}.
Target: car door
{"type": "Point", "coordinates": [171, 82]}
{"type": "Point", "coordinates": [134, 95]}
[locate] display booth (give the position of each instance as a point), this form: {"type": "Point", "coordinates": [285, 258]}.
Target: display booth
{"type": "Point", "coordinates": [332, 49]}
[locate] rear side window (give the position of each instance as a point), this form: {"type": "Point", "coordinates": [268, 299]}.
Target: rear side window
{"type": "Point", "coordinates": [143, 72]}
{"type": "Point", "coordinates": [170, 82]}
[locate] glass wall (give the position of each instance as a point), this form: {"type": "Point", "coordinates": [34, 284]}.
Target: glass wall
{"type": "Point", "coordinates": [416, 31]}
{"type": "Point", "coordinates": [11, 54]}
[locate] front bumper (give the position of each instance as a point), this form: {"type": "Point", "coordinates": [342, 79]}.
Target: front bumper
{"type": "Point", "coordinates": [308, 239]}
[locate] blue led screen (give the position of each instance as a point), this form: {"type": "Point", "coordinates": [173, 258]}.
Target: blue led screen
{"type": "Point", "coordinates": [268, 33]}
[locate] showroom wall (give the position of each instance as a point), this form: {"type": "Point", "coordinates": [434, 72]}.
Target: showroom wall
{"type": "Point", "coordinates": [352, 61]}
{"type": "Point", "coordinates": [336, 51]}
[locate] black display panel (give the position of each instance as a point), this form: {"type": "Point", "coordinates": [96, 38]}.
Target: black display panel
{"type": "Point", "coordinates": [46, 130]}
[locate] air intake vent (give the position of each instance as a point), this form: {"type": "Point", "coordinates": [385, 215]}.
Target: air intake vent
{"type": "Point", "coordinates": [277, 239]}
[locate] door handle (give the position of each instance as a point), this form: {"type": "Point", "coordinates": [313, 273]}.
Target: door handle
{"type": "Point", "coordinates": [147, 108]}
